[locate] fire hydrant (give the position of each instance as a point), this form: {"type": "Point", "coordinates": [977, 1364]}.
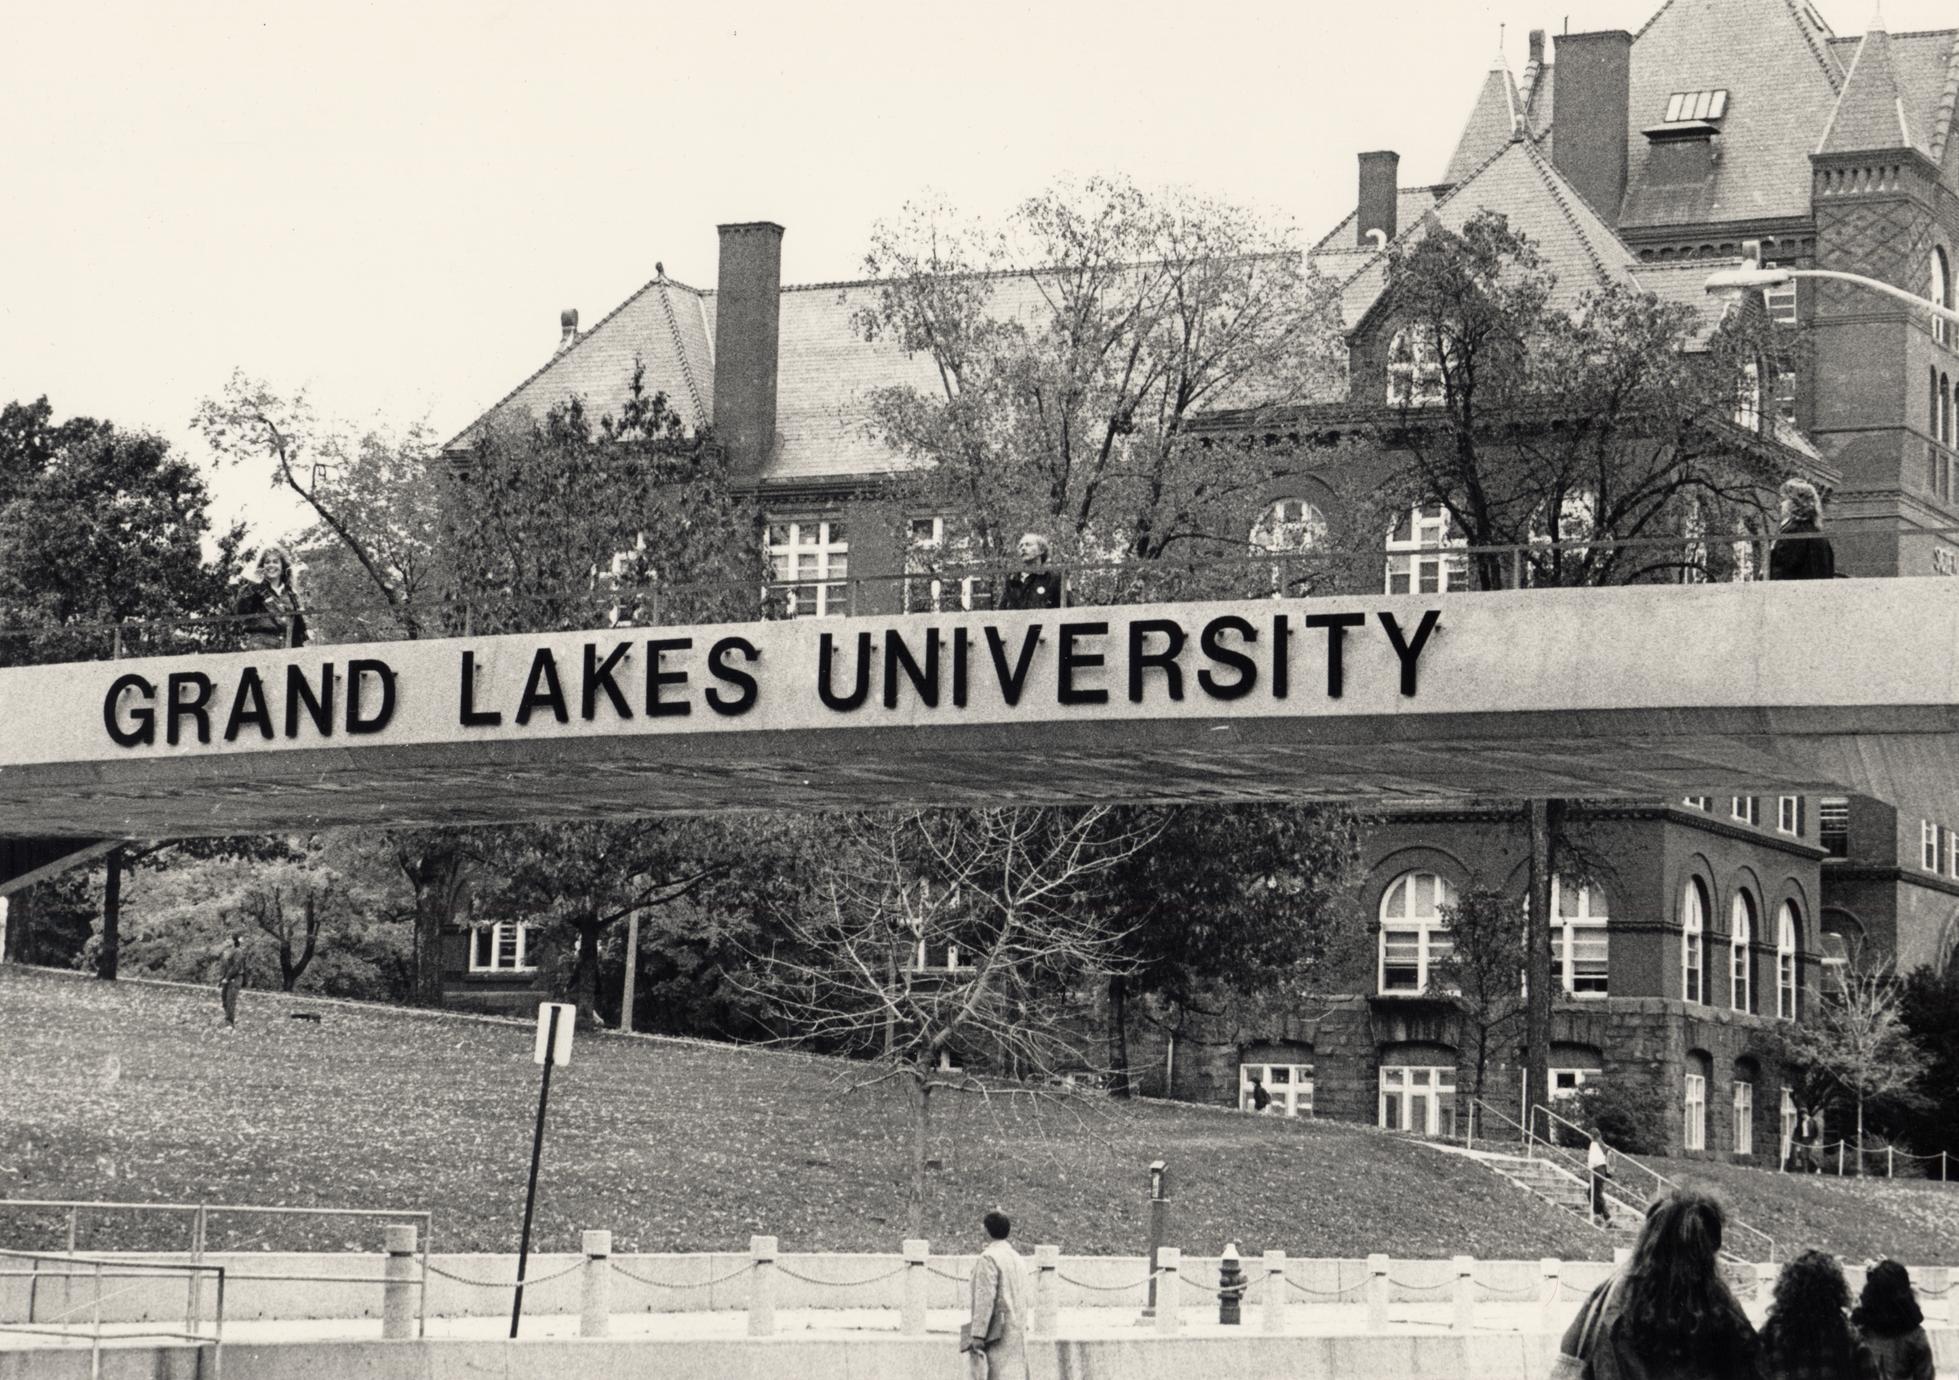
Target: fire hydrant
{"type": "Point", "coordinates": [1231, 1285]}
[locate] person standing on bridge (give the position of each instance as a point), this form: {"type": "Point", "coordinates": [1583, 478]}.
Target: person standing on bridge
{"type": "Point", "coordinates": [231, 977]}
{"type": "Point", "coordinates": [268, 605]}
{"type": "Point", "coordinates": [1033, 586]}
{"type": "Point", "coordinates": [1802, 552]}
{"type": "Point", "coordinates": [995, 1340]}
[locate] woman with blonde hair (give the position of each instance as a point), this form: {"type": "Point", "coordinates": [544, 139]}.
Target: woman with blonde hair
{"type": "Point", "coordinates": [268, 607]}
{"type": "Point", "coordinates": [1801, 552]}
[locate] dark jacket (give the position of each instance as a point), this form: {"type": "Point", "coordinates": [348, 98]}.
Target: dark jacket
{"type": "Point", "coordinates": [1032, 589]}
{"type": "Point", "coordinates": [1613, 1353]}
{"type": "Point", "coordinates": [1787, 1359]}
{"type": "Point", "coordinates": [266, 612]}
{"type": "Point", "coordinates": [1907, 1356]}
{"type": "Point", "coordinates": [1802, 560]}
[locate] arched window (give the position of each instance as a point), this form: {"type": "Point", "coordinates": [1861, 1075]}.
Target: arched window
{"type": "Point", "coordinates": [1414, 376]}
{"type": "Point", "coordinates": [1785, 961]}
{"type": "Point", "coordinates": [1835, 952]}
{"type": "Point", "coordinates": [1941, 294]}
{"type": "Point", "coordinates": [1290, 527]}
{"type": "Point", "coordinates": [1579, 941]}
{"type": "Point", "coordinates": [1741, 933]}
{"type": "Point", "coordinates": [1413, 936]}
{"type": "Point", "coordinates": [1418, 561]}
{"type": "Point", "coordinates": [1693, 927]}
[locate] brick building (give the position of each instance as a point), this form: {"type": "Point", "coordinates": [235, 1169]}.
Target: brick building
{"type": "Point", "coordinates": [1722, 130]}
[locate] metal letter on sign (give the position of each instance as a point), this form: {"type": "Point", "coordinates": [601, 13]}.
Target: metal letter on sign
{"type": "Point", "coordinates": [560, 1038]}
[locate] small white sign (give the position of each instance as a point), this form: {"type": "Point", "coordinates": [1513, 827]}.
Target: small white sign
{"type": "Point", "coordinates": [560, 1043]}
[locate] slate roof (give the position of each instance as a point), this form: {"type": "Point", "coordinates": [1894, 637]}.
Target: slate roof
{"type": "Point", "coordinates": [1870, 113]}
{"type": "Point", "coordinates": [1410, 204]}
{"type": "Point", "coordinates": [1496, 116]}
{"type": "Point", "coordinates": [1924, 68]}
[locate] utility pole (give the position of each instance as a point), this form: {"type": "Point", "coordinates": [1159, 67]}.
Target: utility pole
{"type": "Point", "coordinates": [1538, 817]}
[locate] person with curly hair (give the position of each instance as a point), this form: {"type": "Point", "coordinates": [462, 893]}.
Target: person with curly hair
{"type": "Point", "coordinates": [1668, 1315]}
{"type": "Point", "coordinates": [1888, 1319]}
{"type": "Point", "coordinates": [1807, 1335]}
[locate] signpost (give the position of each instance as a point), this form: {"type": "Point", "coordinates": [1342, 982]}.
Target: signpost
{"type": "Point", "coordinates": [554, 1025]}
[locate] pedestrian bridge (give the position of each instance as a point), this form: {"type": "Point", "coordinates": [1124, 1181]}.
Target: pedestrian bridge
{"type": "Point", "coordinates": [1634, 693]}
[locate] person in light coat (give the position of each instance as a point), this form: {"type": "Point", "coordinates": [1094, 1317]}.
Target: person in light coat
{"type": "Point", "coordinates": [995, 1340]}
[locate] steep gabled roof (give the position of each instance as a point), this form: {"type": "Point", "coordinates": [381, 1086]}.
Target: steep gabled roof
{"type": "Point", "coordinates": [1494, 119]}
{"type": "Point", "coordinates": [1870, 111]}
{"type": "Point", "coordinates": [1782, 79]}
{"type": "Point", "coordinates": [1411, 203]}
{"type": "Point", "coordinates": [1575, 243]}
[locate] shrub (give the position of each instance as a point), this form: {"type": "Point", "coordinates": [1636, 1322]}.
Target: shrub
{"type": "Point", "coordinates": [1630, 1113]}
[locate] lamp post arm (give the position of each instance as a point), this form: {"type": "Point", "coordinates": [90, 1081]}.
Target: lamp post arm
{"type": "Point", "coordinates": [1943, 313]}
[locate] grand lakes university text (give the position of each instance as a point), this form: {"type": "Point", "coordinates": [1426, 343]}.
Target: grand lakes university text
{"type": "Point", "coordinates": [1078, 662]}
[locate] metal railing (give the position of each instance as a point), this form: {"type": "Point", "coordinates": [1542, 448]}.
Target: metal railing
{"type": "Point", "coordinates": [63, 1323]}
{"type": "Point", "coordinates": [197, 1245]}
{"type": "Point", "coordinates": [1448, 570]}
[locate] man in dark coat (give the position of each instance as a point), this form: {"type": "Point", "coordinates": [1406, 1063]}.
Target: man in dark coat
{"type": "Point", "coordinates": [1033, 586]}
{"type": "Point", "coordinates": [1808, 556]}
{"type": "Point", "coordinates": [231, 977]}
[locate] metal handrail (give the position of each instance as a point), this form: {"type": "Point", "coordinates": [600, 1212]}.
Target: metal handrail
{"type": "Point", "coordinates": [100, 1268]}
{"type": "Point", "coordinates": [201, 1214]}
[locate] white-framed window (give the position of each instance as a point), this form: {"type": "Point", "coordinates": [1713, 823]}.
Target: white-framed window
{"type": "Point", "coordinates": [1695, 802]}
{"type": "Point", "coordinates": [1833, 825]}
{"type": "Point", "coordinates": [1781, 305]}
{"type": "Point", "coordinates": [1696, 105]}
{"type": "Point", "coordinates": [1290, 527]}
{"type": "Point", "coordinates": [503, 947]}
{"type": "Point", "coordinates": [1420, 1098]}
{"type": "Point", "coordinates": [1695, 1134]}
{"type": "Point", "coordinates": [1581, 942]}
{"type": "Point", "coordinates": [1788, 814]}
{"type": "Point", "coordinates": [1414, 372]}
{"type": "Point", "coordinates": [1748, 397]}
{"type": "Point", "coordinates": [1744, 1121]}
{"type": "Point", "coordinates": [927, 551]}
{"type": "Point", "coordinates": [1952, 852]}
{"type": "Point", "coordinates": [808, 560]}
{"type": "Point", "coordinates": [1834, 950]}
{"type": "Point", "coordinates": [1565, 1083]}
{"type": "Point", "coordinates": [1785, 962]}
{"type": "Point", "coordinates": [1746, 808]}
{"type": "Point", "coordinates": [1289, 1085]}
{"type": "Point", "coordinates": [1417, 562]}
{"type": "Point", "coordinates": [1741, 962]}
{"type": "Point", "coordinates": [1413, 936]}
{"type": "Point", "coordinates": [1941, 293]}
{"type": "Point", "coordinates": [1788, 1122]}
{"type": "Point", "coordinates": [1928, 845]}
{"type": "Point", "coordinates": [1693, 931]}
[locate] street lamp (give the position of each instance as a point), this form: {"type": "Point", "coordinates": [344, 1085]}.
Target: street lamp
{"type": "Point", "coordinates": [1733, 279]}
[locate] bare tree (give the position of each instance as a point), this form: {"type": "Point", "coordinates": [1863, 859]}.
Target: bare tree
{"type": "Point", "coordinates": [1858, 1045]}
{"type": "Point", "coordinates": [1485, 961]}
{"type": "Point", "coordinates": [943, 936]}
{"type": "Point", "coordinates": [290, 903]}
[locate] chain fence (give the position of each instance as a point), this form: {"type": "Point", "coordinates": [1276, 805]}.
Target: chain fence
{"type": "Point", "coordinates": [528, 1281]}
{"type": "Point", "coordinates": [1339, 1293]}
{"type": "Point", "coordinates": [676, 1286]}
{"type": "Point", "coordinates": [892, 1273]}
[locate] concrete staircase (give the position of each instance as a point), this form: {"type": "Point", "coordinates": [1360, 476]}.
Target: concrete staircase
{"type": "Point", "coordinates": [1564, 1190]}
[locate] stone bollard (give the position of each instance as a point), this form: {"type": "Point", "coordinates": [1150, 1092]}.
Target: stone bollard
{"type": "Point", "coordinates": [1463, 1316]}
{"type": "Point", "coordinates": [595, 1286]}
{"type": "Point", "coordinates": [1169, 1298]}
{"type": "Point", "coordinates": [1047, 1306]}
{"type": "Point", "coordinates": [1550, 1272]}
{"type": "Point", "coordinates": [1377, 1293]}
{"type": "Point", "coordinates": [911, 1307]}
{"type": "Point", "coordinates": [1621, 1257]}
{"type": "Point", "coordinates": [761, 1286]}
{"type": "Point", "coordinates": [399, 1281]}
{"type": "Point", "coordinates": [1934, 1286]}
{"type": "Point", "coordinates": [1273, 1305]}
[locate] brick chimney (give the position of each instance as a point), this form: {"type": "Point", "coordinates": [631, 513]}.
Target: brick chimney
{"type": "Point", "coordinates": [1591, 120]}
{"type": "Point", "coordinates": [1380, 177]}
{"type": "Point", "coordinates": [1537, 47]}
{"type": "Point", "coordinates": [748, 300]}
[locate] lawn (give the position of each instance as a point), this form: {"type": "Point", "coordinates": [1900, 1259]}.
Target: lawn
{"type": "Point", "coordinates": [134, 1092]}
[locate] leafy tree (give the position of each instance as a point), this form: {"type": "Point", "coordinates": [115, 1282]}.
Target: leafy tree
{"type": "Point", "coordinates": [1858, 1044]}
{"type": "Point", "coordinates": [1484, 963]}
{"type": "Point", "coordinates": [1929, 1007]}
{"type": "Point", "coordinates": [867, 968]}
{"type": "Point", "coordinates": [99, 525]}
{"type": "Point", "coordinates": [1071, 354]}
{"type": "Point", "coordinates": [1228, 899]}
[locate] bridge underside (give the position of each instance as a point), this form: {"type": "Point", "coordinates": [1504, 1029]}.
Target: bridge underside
{"type": "Point", "coordinates": [1893, 754]}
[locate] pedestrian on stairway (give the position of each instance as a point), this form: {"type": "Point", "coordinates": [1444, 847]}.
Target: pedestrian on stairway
{"type": "Point", "coordinates": [1599, 1161]}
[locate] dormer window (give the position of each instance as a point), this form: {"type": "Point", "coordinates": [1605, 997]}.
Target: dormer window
{"type": "Point", "coordinates": [1414, 374]}
{"type": "Point", "coordinates": [1696, 105]}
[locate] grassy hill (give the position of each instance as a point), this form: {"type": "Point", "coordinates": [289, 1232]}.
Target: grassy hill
{"type": "Point", "coordinates": [134, 1092]}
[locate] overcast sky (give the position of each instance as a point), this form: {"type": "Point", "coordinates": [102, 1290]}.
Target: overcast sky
{"type": "Point", "coordinates": [389, 203]}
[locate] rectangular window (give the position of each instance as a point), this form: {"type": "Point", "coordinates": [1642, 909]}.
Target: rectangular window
{"type": "Point", "coordinates": [1781, 304]}
{"type": "Point", "coordinates": [1695, 802]}
{"type": "Point", "coordinates": [1290, 1087]}
{"type": "Point", "coordinates": [1583, 954]}
{"type": "Point", "coordinates": [1419, 1099]}
{"type": "Point", "coordinates": [503, 947]}
{"type": "Point", "coordinates": [1833, 825]}
{"type": "Point", "coordinates": [1565, 1083]}
{"type": "Point", "coordinates": [1401, 960]}
{"type": "Point", "coordinates": [1952, 852]}
{"type": "Point", "coordinates": [933, 581]}
{"type": "Point", "coordinates": [1744, 1141]}
{"type": "Point", "coordinates": [1928, 845]}
{"type": "Point", "coordinates": [1747, 808]}
{"type": "Point", "coordinates": [1418, 559]}
{"type": "Point", "coordinates": [808, 561]}
{"type": "Point", "coordinates": [1695, 1131]}
{"type": "Point", "coordinates": [1789, 814]}
{"type": "Point", "coordinates": [1690, 980]}
{"type": "Point", "coordinates": [1696, 105]}
{"type": "Point", "coordinates": [1788, 1110]}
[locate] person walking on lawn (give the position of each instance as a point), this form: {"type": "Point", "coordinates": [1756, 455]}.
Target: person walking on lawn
{"type": "Point", "coordinates": [995, 1340]}
{"type": "Point", "coordinates": [231, 977]}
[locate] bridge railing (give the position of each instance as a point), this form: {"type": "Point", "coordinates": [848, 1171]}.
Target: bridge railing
{"type": "Point", "coordinates": [929, 584]}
